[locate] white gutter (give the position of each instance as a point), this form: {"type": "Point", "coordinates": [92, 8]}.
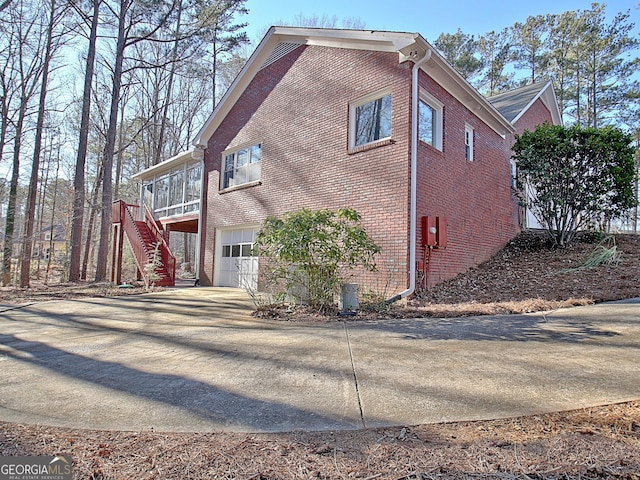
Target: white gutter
{"type": "Point", "coordinates": [414, 181]}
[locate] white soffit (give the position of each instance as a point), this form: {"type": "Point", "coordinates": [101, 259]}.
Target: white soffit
{"type": "Point", "coordinates": [179, 159]}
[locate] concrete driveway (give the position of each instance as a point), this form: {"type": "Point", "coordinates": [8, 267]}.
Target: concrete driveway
{"type": "Point", "coordinates": [195, 360]}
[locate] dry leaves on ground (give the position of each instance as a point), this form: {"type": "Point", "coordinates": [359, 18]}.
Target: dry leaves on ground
{"type": "Point", "coordinates": [528, 275]}
{"type": "Point", "coordinates": [595, 443]}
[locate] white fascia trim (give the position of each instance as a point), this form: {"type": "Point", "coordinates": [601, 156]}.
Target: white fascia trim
{"type": "Point", "coordinates": [548, 97]}
{"type": "Point", "coordinates": [551, 101]}
{"type": "Point", "coordinates": [239, 84]}
{"type": "Point", "coordinates": [180, 158]}
{"type": "Point", "coordinates": [356, 39]}
{"type": "Point", "coordinates": [449, 78]}
{"type": "Point", "coordinates": [406, 44]}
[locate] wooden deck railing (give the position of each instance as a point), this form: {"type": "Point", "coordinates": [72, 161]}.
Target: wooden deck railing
{"type": "Point", "coordinates": [167, 258]}
{"type": "Point", "coordinates": [126, 216]}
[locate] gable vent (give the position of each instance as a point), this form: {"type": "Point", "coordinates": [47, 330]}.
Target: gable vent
{"type": "Point", "coordinates": [280, 51]}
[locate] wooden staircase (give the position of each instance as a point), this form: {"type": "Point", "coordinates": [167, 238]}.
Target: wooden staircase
{"type": "Point", "coordinates": [147, 244]}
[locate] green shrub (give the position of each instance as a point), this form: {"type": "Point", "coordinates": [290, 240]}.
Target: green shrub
{"type": "Point", "coordinates": [311, 253]}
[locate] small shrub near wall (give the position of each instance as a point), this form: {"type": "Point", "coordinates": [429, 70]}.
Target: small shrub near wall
{"type": "Point", "coordinates": [311, 253]}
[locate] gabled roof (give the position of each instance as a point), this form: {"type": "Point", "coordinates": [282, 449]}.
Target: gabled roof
{"type": "Point", "coordinates": [280, 40]}
{"type": "Point", "coordinates": [513, 104]}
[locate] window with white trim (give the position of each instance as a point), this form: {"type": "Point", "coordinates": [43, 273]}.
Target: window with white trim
{"type": "Point", "coordinates": [241, 166]}
{"type": "Point", "coordinates": [430, 114]}
{"type": "Point", "coordinates": [370, 119]}
{"type": "Point", "coordinates": [468, 143]}
{"type": "Point", "coordinates": [514, 173]}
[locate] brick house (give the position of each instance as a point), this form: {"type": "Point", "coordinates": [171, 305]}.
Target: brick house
{"type": "Point", "coordinates": [526, 108]}
{"type": "Point", "coordinates": [376, 121]}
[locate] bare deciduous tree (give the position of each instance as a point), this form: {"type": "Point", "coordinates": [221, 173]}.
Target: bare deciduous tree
{"type": "Point", "coordinates": [79, 176]}
{"type": "Point", "coordinates": [27, 34]}
{"type": "Point", "coordinates": [54, 40]}
{"type": "Point", "coordinates": [135, 23]}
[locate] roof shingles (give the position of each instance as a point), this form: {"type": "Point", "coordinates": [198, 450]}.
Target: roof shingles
{"type": "Point", "coordinates": [510, 104]}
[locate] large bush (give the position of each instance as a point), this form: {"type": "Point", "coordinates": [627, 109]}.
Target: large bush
{"type": "Point", "coordinates": [574, 178]}
{"type": "Point", "coordinates": [312, 253]}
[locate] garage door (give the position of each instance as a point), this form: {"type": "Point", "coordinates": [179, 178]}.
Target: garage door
{"type": "Point", "coordinates": [238, 265]}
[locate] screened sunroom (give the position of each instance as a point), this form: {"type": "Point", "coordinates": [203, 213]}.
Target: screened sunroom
{"type": "Point", "coordinates": [172, 191]}
{"type": "Point", "coordinates": [170, 199]}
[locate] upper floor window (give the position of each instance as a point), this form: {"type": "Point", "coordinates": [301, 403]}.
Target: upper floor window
{"type": "Point", "coordinates": [468, 143]}
{"type": "Point", "coordinates": [370, 119]}
{"type": "Point", "coordinates": [242, 166]}
{"type": "Point", "coordinates": [430, 112]}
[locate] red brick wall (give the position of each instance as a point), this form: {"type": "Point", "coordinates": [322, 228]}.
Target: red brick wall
{"type": "Point", "coordinates": [537, 114]}
{"type": "Point", "coordinates": [474, 197]}
{"type": "Point", "coordinates": [298, 109]}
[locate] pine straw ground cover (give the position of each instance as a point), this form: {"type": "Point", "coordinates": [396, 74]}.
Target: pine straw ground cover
{"type": "Point", "coordinates": [528, 275]}
{"type": "Point", "coordinates": [595, 443]}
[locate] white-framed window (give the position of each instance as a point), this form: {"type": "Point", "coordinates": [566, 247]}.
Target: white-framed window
{"type": "Point", "coordinates": [514, 173]}
{"type": "Point", "coordinates": [468, 143]}
{"type": "Point", "coordinates": [241, 166]}
{"type": "Point", "coordinates": [370, 119]}
{"type": "Point", "coordinates": [430, 115]}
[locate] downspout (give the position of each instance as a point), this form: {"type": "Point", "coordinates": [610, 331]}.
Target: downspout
{"type": "Point", "coordinates": [414, 181]}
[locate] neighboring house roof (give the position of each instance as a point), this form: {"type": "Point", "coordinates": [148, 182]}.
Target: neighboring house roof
{"type": "Point", "coordinates": [281, 40]}
{"type": "Point", "coordinates": [514, 103]}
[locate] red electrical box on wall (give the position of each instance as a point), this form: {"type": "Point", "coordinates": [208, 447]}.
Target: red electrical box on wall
{"type": "Point", "coordinates": [434, 231]}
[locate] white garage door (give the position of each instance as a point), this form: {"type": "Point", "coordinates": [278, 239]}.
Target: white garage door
{"type": "Point", "coordinates": [238, 266]}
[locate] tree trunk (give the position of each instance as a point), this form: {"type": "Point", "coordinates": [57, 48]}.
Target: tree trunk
{"type": "Point", "coordinates": [27, 244]}
{"type": "Point", "coordinates": [7, 250]}
{"type": "Point", "coordinates": [167, 100]}
{"type": "Point", "coordinates": [186, 237]}
{"type": "Point", "coordinates": [78, 181]}
{"type": "Point", "coordinates": [214, 69]}
{"type": "Point", "coordinates": [27, 80]}
{"type": "Point", "coordinates": [52, 224]}
{"type": "Point", "coordinates": [107, 181]}
{"type": "Point", "coordinates": [594, 93]}
{"type": "Point", "coordinates": [92, 218]}
{"type": "Point", "coordinates": [578, 93]}
{"type": "Point", "coordinates": [4, 116]}
{"type": "Point", "coordinates": [120, 155]}
{"type": "Point", "coordinates": [43, 190]}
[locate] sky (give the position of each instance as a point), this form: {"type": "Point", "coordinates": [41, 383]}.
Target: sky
{"type": "Point", "coordinates": [428, 18]}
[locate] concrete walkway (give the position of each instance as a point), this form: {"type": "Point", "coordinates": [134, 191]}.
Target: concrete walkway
{"type": "Point", "coordinates": [195, 360]}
